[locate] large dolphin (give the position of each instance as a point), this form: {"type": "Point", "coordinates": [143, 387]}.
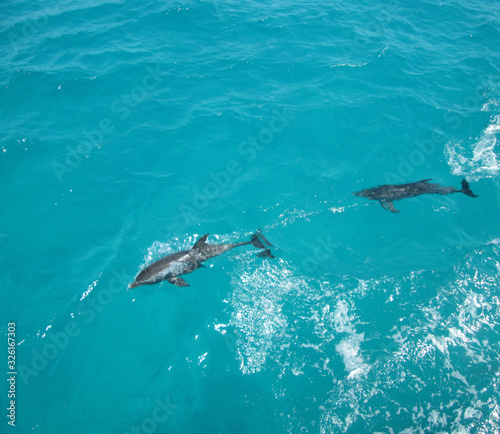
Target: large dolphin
{"type": "Point", "coordinates": [172, 266]}
{"type": "Point", "coordinates": [386, 194]}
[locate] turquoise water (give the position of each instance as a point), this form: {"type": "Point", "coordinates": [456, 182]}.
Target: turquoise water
{"type": "Point", "coordinates": [129, 129]}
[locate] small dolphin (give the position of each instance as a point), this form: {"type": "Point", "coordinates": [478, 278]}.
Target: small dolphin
{"type": "Point", "coordinates": [386, 194]}
{"type": "Point", "coordinates": [172, 266]}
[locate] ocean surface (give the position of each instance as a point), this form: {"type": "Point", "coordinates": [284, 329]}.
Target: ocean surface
{"type": "Point", "coordinates": [129, 129]}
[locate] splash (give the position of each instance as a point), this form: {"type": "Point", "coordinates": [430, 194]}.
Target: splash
{"type": "Point", "coordinates": [91, 287]}
{"type": "Point", "coordinates": [289, 217]}
{"type": "Point", "coordinates": [349, 347]}
{"type": "Point", "coordinates": [363, 355]}
{"type": "Point", "coordinates": [258, 316]}
{"type": "Point", "coordinates": [481, 160]}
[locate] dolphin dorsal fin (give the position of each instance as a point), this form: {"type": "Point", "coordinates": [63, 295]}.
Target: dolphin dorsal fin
{"type": "Point", "coordinates": [200, 242]}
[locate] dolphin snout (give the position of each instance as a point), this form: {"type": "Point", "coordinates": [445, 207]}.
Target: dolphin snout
{"type": "Point", "coordinates": [133, 285]}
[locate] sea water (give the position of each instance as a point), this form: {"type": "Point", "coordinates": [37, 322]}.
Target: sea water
{"type": "Point", "coordinates": [130, 129]}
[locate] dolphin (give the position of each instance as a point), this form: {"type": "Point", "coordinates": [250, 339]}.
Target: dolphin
{"type": "Point", "coordinates": [386, 194]}
{"type": "Point", "coordinates": [172, 266]}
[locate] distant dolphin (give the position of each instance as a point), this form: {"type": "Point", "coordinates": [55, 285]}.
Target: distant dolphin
{"type": "Point", "coordinates": [386, 194]}
{"type": "Point", "coordinates": [170, 267]}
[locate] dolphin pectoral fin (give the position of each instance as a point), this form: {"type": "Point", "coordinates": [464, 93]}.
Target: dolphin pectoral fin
{"type": "Point", "coordinates": [390, 205]}
{"type": "Point", "coordinates": [383, 204]}
{"type": "Point", "coordinates": [266, 254]}
{"type": "Point", "coordinates": [201, 242]}
{"type": "Point", "coordinates": [177, 281]}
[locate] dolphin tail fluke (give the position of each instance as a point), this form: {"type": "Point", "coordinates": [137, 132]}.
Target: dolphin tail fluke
{"type": "Point", "coordinates": [259, 233]}
{"type": "Point", "coordinates": [258, 241]}
{"type": "Point", "coordinates": [466, 189]}
{"type": "Point", "coordinates": [266, 254]}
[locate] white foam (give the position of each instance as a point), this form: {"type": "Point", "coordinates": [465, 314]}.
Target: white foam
{"type": "Point", "coordinates": [273, 303]}
{"type": "Point", "coordinates": [289, 216]}
{"type": "Point", "coordinates": [258, 317]}
{"type": "Point", "coordinates": [350, 65]}
{"type": "Point", "coordinates": [91, 287]}
{"type": "Point", "coordinates": [349, 348]}
{"type": "Point", "coordinates": [479, 160]}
